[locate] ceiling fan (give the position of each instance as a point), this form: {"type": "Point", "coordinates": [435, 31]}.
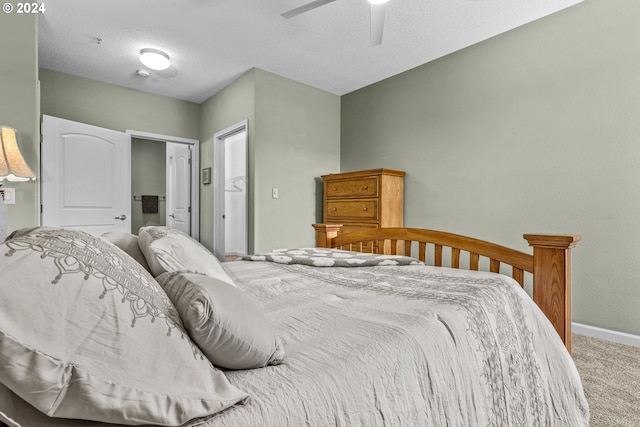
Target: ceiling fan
{"type": "Point", "coordinates": [377, 15]}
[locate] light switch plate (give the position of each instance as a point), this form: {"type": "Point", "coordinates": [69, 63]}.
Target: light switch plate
{"type": "Point", "coordinates": [9, 195]}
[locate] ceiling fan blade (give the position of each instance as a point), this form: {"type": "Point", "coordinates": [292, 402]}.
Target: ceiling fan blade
{"type": "Point", "coordinates": [377, 23]}
{"type": "Point", "coordinates": [305, 8]}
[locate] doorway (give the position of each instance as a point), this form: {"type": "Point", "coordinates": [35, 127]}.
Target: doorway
{"type": "Point", "coordinates": [177, 186]}
{"type": "Point", "coordinates": [231, 192]}
{"type": "Point", "coordinates": [148, 183]}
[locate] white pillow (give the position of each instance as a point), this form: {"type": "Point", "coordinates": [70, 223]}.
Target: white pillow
{"type": "Point", "coordinates": [87, 333]}
{"type": "Point", "coordinates": [168, 250]}
{"type": "Point", "coordinates": [129, 243]}
{"type": "Point", "coordinates": [229, 328]}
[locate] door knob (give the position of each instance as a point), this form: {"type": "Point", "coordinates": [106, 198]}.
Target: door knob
{"type": "Point", "coordinates": [172, 216]}
{"type": "Point", "coordinates": [121, 217]}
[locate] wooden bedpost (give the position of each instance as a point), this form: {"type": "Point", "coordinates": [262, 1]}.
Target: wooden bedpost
{"type": "Point", "coordinates": [552, 279]}
{"type": "Point", "coordinates": [325, 233]}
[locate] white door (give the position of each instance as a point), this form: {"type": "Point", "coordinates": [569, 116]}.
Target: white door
{"type": "Point", "coordinates": [179, 186]}
{"type": "Point", "coordinates": [231, 201]}
{"type": "Point", "coordinates": [86, 178]}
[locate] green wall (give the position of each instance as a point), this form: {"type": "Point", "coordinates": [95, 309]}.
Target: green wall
{"type": "Point", "coordinates": [298, 139]}
{"type": "Point", "coordinates": [294, 137]}
{"type": "Point", "coordinates": [535, 130]}
{"type": "Point", "coordinates": [231, 105]}
{"type": "Point", "coordinates": [115, 107]}
{"type": "Point", "coordinates": [19, 108]}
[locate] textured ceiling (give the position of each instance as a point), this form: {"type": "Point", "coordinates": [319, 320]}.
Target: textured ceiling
{"type": "Point", "coordinates": [213, 42]}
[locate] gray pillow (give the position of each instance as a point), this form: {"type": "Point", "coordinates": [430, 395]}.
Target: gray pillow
{"type": "Point", "coordinates": [168, 250]}
{"type": "Point", "coordinates": [227, 326]}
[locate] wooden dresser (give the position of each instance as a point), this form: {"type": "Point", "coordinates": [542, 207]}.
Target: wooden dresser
{"type": "Point", "coordinates": [364, 199]}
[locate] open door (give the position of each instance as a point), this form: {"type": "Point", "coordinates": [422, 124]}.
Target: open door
{"type": "Point", "coordinates": [86, 177]}
{"type": "Point", "coordinates": [179, 187]}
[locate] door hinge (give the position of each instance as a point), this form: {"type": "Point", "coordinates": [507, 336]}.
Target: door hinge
{"type": "Point", "coordinates": [189, 209]}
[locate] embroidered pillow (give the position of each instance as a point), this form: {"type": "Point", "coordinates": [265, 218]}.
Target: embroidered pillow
{"type": "Point", "coordinates": [229, 328]}
{"type": "Point", "coordinates": [168, 250]}
{"type": "Point", "coordinates": [87, 333]}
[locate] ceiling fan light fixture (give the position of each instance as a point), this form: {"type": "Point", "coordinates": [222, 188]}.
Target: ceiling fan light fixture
{"type": "Point", "coordinates": [378, 1]}
{"type": "Point", "coordinates": [155, 59]}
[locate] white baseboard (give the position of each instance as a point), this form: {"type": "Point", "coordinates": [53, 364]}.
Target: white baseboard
{"type": "Point", "coordinates": [234, 253]}
{"type": "Point", "coordinates": [606, 334]}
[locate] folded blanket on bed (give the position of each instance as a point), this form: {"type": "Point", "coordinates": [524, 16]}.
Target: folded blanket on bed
{"type": "Point", "coordinates": [322, 257]}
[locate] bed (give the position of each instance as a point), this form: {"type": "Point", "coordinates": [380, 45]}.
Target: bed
{"type": "Point", "coordinates": [152, 330]}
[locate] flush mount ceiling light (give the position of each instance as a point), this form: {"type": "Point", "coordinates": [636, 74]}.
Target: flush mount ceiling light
{"type": "Point", "coordinates": [154, 59]}
{"type": "Point", "coordinates": [378, 1]}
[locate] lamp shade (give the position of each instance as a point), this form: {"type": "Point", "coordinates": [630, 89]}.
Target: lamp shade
{"type": "Point", "coordinates": [12, 164]}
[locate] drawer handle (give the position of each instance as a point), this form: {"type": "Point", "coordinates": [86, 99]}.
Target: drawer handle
{"type": "Point", "coordinates": [335, 189]}
{"type": "Point", "coordinates": [334, 209]}
{"type": "Point", "coordinates": [365, 187]}
{"type": "Point", "coordinates": [364, 209]}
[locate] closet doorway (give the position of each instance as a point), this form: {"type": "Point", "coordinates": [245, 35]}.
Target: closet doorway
{"type": "Point", "coordinates": [164, 184]}
{"type": "Point", "coordinates": [231, 190]}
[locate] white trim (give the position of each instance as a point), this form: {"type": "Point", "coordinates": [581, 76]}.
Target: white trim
{"type": "Point", "coordinates": [159, 137]}
{"type": "Point", "coordinates": [195, 171]}
{"type": "Point", "coordinates": [218, 177]}
{"type": "Point", "coordinates": [3, 219]}
{"type": "Point", "coordinates": [235, 253]}
{"type": "Point", "coordinates": [606, 334]}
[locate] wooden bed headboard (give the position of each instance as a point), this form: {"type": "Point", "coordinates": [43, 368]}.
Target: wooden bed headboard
{"type": "Point", "coordinates": [550, 263]}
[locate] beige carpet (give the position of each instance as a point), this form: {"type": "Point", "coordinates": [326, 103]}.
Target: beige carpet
{"type": "Point", "coordinates": [610, 375]}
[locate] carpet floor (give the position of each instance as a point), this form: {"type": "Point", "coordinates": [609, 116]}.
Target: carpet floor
{"type": "Point", "coordinates": [610, 374]}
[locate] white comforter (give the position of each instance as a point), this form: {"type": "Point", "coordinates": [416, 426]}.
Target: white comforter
{"type": "Point", "coordinates": [404, 346]}
{"type": "Point", "coordinates": [401, 346]}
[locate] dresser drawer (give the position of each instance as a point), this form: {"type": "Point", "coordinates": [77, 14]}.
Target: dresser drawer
{"type": "Point", "coordinates": [359, 209]}
{"type": "Point", "coordinates": [362, 187]}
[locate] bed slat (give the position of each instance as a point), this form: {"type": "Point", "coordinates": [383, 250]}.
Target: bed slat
{"type": "Point", "coordinates": [437, 257]}
{"type": "Point", "coordinates": [518, 275]}
{"type": "Point", "coordinates": [494, 266]}
{"type": "Point", "coordinates": [422, 251]}
{"type": "Point", "coordinates": [474, 261]}
{"type": "Point", "coordinates": [455, 258]}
